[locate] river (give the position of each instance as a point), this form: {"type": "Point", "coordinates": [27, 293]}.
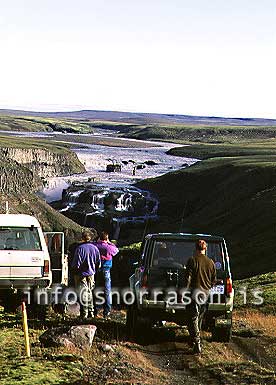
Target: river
{"type": "Point", "coordinates": [96, 157]}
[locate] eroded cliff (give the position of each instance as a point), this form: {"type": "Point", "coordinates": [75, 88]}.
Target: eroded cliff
{"type": "Point", "coordinates": [43, 162]}
{"type": "Point", "coordinates": [15, 178]}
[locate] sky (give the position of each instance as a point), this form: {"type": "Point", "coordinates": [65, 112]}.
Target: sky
{"type": "Point", "coordinates": [194, 57]}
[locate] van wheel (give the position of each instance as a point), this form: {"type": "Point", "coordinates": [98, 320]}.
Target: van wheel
{"type": "Point", "coordinates": [10, 306]}
{"type": "Point", "coordinates": [221, 334]}
{"type": "Point", "coordinates": [40, 312]}
{"type": "Point", "coordinates": [11, 303]}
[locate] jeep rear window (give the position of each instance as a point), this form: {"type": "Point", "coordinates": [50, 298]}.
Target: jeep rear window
{"type": "Point", "coordinates": [19, 238]}
{"type": "Point", "coordinates": [179, 251]}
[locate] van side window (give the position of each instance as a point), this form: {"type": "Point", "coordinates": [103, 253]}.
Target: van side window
{"type": "Point", "coordinates": [19, 238]}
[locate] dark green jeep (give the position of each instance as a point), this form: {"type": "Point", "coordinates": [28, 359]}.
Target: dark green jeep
{"type": "Point", "coordinates": [157, 284]}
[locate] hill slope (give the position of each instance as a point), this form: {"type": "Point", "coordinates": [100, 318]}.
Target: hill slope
{"type": "Point", "coordinates": [234, 197]}
{"type": "Point", "coordinates": [140, 118]}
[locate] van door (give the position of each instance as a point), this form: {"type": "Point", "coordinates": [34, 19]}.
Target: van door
{"type": "Point", "coordinates": [59, 260]}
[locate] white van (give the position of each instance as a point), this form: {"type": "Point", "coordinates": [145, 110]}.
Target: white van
{"type": "Point", "coordinates": [25, 262]}
{"type": "Point", "coordinates": [24, 256]}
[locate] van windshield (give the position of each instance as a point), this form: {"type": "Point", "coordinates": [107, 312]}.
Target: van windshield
{"type": "Point", "coordinates": [177, 252]}
{"type": "Point", "coordinates": [19, 238]}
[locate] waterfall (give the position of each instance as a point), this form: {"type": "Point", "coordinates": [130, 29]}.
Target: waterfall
{"type": "Point", "coordinates": [98, 201]}
{"type": "Point", "coordinates": [93, 205]}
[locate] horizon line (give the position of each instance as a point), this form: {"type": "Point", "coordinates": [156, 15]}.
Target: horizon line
{"type": "Point", "coordinates": [134, 112]}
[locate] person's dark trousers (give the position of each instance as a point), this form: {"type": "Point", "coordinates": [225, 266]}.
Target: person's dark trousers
{"type": "Point", "coordinates": [196, 310]}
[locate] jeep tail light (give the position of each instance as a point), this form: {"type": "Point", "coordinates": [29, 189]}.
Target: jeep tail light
{"type": "Point", "coordinates": [145, 281]}
{"type": "Point", "coordinates": [46, 268]}
{"type": "Point", "coordinates": [229, 286]}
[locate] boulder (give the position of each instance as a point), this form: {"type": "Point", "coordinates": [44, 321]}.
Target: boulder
{"type": "Point", "coordinates": [80, 336]}
{"type": "Point", "coordinates": [150, 163]}
{"type": "Point", "coordinates": [140, 166]}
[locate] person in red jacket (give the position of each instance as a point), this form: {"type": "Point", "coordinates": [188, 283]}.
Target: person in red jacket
{"type": "Point", "coordinates": [107, 251]}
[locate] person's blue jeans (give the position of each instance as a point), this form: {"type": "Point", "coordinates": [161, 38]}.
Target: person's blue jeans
{"type": "Point", "coordinates": [107, 291]}
{"type": "Point", "coordinates": [103, 282]}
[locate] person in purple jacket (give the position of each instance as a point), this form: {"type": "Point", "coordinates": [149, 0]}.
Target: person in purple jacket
{"type": "Point", "coordinates": [107, 251]}
{"type": "Point", "coordinates": [85, 263]}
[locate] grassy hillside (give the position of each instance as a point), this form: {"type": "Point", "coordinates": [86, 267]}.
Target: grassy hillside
{"type": "Point", "coordinates": [199, 133]}
{"type": "Point", "coordinates": [25, 123]}
{"type": "Point", "coordinates": [244, 148]}
{"type": "Point", "coordinates": [234, 197]}
{"type": "Point", "coordinates": [29, 143]}
{"type": "Point", "coordinates": [50, 219]}
{"type": "Point", "coordinates": [183, 129]}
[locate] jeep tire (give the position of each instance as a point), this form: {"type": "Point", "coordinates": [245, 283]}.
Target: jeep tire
{"type": "Point", "coordinates": [137, 326]}
{"type": "Point", "coordinates": [222, 334]}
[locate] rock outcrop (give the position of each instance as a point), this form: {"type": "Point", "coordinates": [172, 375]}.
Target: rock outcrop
{"type": "Point", "coordinates": [15, 178]}
{"type": "Point", "coordinates": [45, 163]}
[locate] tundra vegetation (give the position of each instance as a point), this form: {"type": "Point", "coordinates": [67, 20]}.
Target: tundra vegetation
{"type": "Point", "coordinates": [232, 192]}
{"type": "Point", "coordinates": [165, 359]}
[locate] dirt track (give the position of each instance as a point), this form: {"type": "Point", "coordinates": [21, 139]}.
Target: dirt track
{"type": "Point", "coordinates": [164, 358]}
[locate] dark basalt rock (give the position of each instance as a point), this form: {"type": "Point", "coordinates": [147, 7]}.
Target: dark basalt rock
{"type": "Point", "coordinates": [150, 163]}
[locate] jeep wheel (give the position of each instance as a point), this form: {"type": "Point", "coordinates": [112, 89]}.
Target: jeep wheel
{"type": "Point", "coordinates": [137, 326]}
{"type": "Point", "coordinates": [132, 321]}
{"type": "Point", "coordinates": [221, 334]}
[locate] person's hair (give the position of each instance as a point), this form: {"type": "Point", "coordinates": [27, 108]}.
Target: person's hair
{"type": "Point", "coordinates": [104, 236]}
{"type": "Point", "coordinates": [201, 245]}
{"type": "Point", "coordinates": [89, 235]}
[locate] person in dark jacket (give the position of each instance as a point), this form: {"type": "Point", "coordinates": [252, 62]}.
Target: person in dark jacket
{"type": "Point", "coordinates": [200, 277]}
{"type": "Point", "coordinates": [85, 263]}
{"type": "Point", "coordinates": [107, 251]}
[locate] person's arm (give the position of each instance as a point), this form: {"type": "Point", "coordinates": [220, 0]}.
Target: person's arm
{"type": "Point", "coordinates": [76, 262]}
{"type": "Point", "coordinates": [113, 249]}
{"type": "Point", "coordinates": [188, 273]}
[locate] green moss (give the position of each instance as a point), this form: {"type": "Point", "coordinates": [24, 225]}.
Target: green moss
{"type": "Point", "coordinates": [15, 368]}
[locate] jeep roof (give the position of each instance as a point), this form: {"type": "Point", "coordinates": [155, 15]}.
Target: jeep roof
{"type": "Point", "coordinates": [188, 236]}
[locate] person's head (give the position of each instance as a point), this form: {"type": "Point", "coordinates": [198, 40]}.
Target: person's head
{"type": "Point", "coordinates": [88, 235]}
{"type": "Point", "coordinates": [104, 236]}
{"type": "Point", "coordinates": [201, 246]}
